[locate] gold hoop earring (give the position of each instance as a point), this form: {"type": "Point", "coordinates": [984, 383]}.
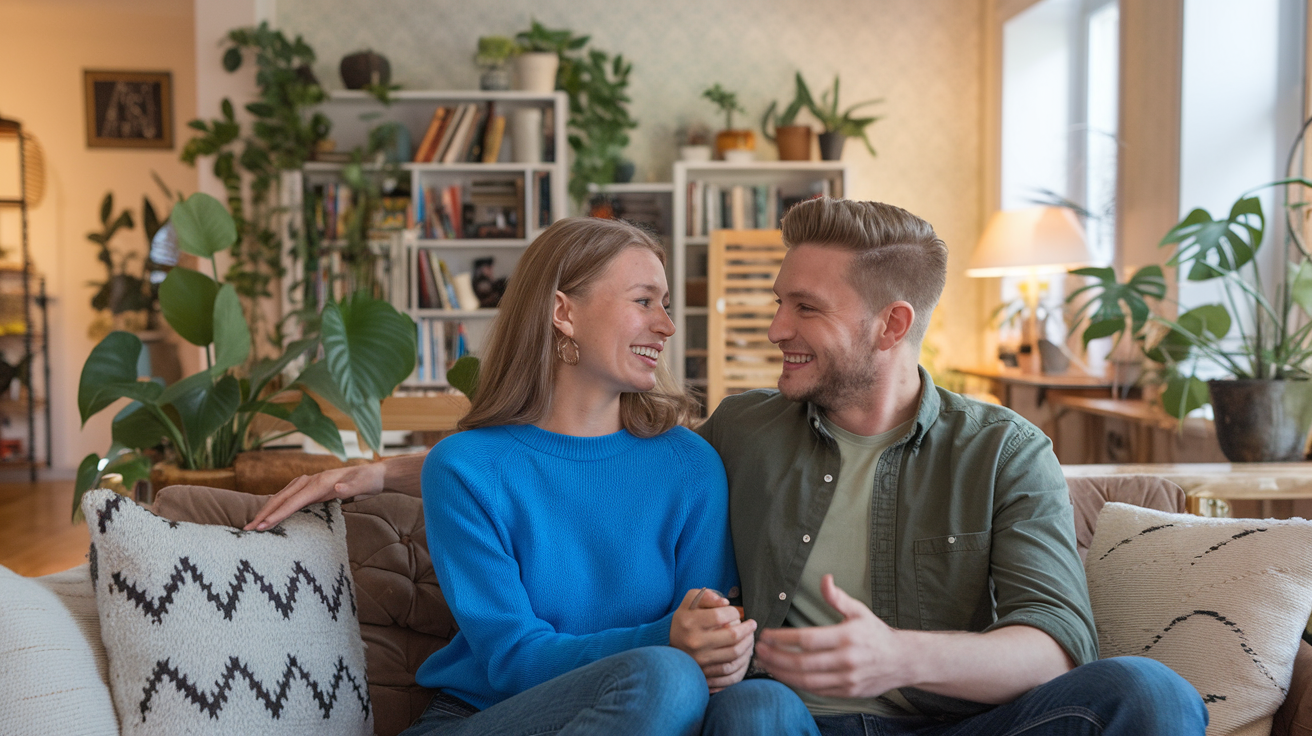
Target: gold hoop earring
{"type": "Point", "coordinates": [565, 358]}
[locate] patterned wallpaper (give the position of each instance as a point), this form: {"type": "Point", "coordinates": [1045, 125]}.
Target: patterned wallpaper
{"type": "Point", "coordinates": [923, 57]}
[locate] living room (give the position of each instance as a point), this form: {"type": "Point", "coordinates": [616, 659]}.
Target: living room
{"type": "Point", "coordinates": [1037, 137]}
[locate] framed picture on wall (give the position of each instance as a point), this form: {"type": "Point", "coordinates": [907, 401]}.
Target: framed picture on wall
{"type": "Point", "coordinates": [129, 109]}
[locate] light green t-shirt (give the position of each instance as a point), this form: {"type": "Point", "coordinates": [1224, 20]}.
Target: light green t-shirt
{"type": "Point", "coordinates": [842, 549]}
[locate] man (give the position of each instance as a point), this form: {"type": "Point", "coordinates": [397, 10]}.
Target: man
{"type": "Point", "coordinates": [909, 554]}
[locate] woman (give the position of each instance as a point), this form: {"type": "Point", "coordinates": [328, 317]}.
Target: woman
{"type": "Point", "coordinates": [575, 526]}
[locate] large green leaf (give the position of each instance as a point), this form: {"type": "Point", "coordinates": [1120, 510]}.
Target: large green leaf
{"type": "Point", "coordinates": [1209, 248]}
{"type": "Point", "coordinates": [232, 337]}
{"type": "Point", "coordinates": [1206, 324]}
{"type": "Point", "coordinates": [1109, 300]}
{"type": "Point", "coordinates": [139, 428]}
{"type": "Point", "coordinates": [110, 373]}
{"type": "Point", "coordinates": [463, 376]}
{"type": "Point", "coordinates": [1183, 394]}
{"type": "Point", "coordinates": [1300, 285]}
{"type": "Point", "coordinates": [186, 298]}
{"type": "Point", "coordinates": [369, 347]}
{"type": "Point", "coordinates": [367, 413]}
{"type": "Point", "coordinates": [203, 225]}
{"type": "Point", "coordinates": [88, 472]}
{"type": "Point", "coordinates": [311, 422]}
{"type": "Point", "coordinates": [205, 409]}
{"type": "Point", "coordinates": [263, 371]}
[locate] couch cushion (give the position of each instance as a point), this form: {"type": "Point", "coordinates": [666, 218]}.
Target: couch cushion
{"type": "Point", "coordinates": [403, 616]}
{"type": "Point", "coordinates": [1221, 601]}
{"type": "Point", "coordinates": [212, 630]}
{"type": "Point", "coordinates": [49, 675]}
{"type": "Point", "coordinates": [1089, 494]}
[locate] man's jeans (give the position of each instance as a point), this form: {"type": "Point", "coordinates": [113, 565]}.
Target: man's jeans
{"type": "Point", "coordinates": [1122, 695]}
{"type": "Point", "coordinates": [649, 691]}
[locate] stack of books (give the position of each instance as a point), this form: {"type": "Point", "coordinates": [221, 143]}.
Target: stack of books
{"type": "Point", "coordinates": [464, 133]}
{"type": "Point", "coordinates": [438, 289]}
{"type": "Point", "coordinates": [741, 207]}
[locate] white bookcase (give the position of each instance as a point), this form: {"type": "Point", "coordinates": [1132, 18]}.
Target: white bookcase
{"type": "Point", "coordinates": [354, 114]}
{"type": "Point", "coordinates": [784, 182]}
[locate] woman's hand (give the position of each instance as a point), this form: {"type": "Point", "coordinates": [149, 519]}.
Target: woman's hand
{"type": "Point", "coordinates": [712, 633]}
{"type": "Point", "coordinates": [354, 481]}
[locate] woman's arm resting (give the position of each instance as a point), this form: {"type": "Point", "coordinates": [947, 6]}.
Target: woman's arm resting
{"type": "Point", "coordinates": [356, 481]}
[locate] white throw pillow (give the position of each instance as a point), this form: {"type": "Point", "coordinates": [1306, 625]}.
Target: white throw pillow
{"type": "Point", "coordinates": [213, 630]}
{"type": "Point", "coordinates": [49, 682]}
{"type": "Point", "coordinates": [1223, 602]}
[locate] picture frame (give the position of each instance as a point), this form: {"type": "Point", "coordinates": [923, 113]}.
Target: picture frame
{"type": "Point", "coordinates": [128, 109]}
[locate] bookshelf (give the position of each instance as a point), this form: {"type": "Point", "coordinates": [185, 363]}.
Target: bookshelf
{"type": "Point", "coordinates": [458, 213]}
{"type": "Point", "coordinates": [745, 196]}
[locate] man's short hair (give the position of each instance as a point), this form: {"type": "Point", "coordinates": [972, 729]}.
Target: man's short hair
{"type": "Point", "coordinates": [898, 256]}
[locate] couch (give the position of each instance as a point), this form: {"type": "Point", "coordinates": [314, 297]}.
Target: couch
{"type": "Point", "coordinates": [404, 618]}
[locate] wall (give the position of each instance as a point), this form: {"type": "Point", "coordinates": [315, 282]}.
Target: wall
{"type": "Point", "coordinates": [923, 57]}
{"type": "Point", "coordinates": [47, 44]}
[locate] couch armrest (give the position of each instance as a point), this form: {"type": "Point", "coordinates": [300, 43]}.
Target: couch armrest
{"type": "Point", "coordinates": [1295, 716]}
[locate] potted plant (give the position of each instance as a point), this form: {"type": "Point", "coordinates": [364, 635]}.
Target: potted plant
{"type": "Point", "coordinates": [839, 126]}
{"type": "Point", "coordinates": [204, 420]}
{"type": "Point", "coordinates": [493, 57]}
{"type": "Point", "coordinates": [599, 120]}
{"type": "Point", "coordinates": [695, 143]}
{"type": "Point", "coordinates": [1264, 409]}
{"type": "Point", "coordinates": [542, 52]}
{"type": "Point", "coordinates": [793, 140]}
{"type": "Point", "coordinates": [365, 69]}
{"type": "Point", "coordinates": [731, 144]}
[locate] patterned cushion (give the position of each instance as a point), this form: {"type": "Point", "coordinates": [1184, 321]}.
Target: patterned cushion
{"type": "Point", "coordinates": [212, 630]}
{"type": "Point", "coordinates": [1220, 601]}
{"type": "Point", "coordinates": [49, 682]}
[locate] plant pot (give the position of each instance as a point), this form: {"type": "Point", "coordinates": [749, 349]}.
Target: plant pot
{"type": "Point", "coordinates": [163, 475]}
{"type": "Point", "coordinates": [364, 68]}
{"type": "Point", "coordinates": [494, 78]}
{"type": "Point", "coordinates": [794, 142]}
{"type": "Point", "coordinates": [1262, 421]}
{"type": "Point", "coordinates": [535, 71]}
{"type": "Point", "coordinates": [735, 139]}
{"type": "Point", "coordinates": [831, 146]}
{"type": "Point", "coordinates": [624, 171]}
{"type": "Point", "coordinates": [699, 152]}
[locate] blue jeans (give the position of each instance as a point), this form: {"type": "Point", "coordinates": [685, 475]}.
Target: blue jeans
{"type": "Point", "coordinates": [1122, 695]}
{"type": "Point", "coordinates": [652, 690]}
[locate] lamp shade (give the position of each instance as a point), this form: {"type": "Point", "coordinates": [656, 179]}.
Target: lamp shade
{"type": "Point", "coordinates": [1032, 240]}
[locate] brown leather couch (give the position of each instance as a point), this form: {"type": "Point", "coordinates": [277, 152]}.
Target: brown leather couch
{"type": "Point", "coordinates": [404, 618]}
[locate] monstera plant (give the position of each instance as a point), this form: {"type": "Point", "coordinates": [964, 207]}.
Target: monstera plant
{"type": "Point", "coordinates": [362, 349]}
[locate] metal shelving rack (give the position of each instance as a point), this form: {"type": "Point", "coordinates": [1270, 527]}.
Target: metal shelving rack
{"type": "Point", "coordinates": [34, 302]}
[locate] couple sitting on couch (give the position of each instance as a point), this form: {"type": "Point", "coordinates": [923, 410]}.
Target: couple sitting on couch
{"type": "Point", "coordinates": [907, 556]}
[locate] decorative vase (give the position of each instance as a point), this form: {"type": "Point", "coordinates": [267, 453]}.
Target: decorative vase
{"type": "Point", "coordinates": [831, 146]}
{"type": "Point", "coordinates": [494, 79]}
{"type": "Point", "coordinates": [624, 171]}
{"type": "Point", "coordinates": [163, 475]}
{"type": "Point", "coordinates": [794, 142]}
{"type": "Point", "coordinates": [1261, 421]}
{"type": "Point", "coordinates": [400, 151]}
{"type": "Point", "coordinates": [364, 68]}
{"type": "Point", "coordinates": [734, 139]}
{"type": "Point", "coordinates": [535, 71]}
{"type": "Point", "coordinates": [526, 135]}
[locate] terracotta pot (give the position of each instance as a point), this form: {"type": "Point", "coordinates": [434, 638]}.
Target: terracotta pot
{"type": "Point", "coordinates": [535, 71]}
{"type": "Point", "coordinates": [794, 142]}
{"type": "Point", "coordinates": [163, 475]}
{"type": "Point", "coordinates": [1262, 421]}
{"type": "Point", "coordinates": [735, 139]}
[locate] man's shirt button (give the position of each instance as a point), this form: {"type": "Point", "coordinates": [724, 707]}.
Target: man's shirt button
{"type": "Point", "coordinates": [783, 596]}
{"type": "Point", "coordinates": [806, 538]}
{"type": "Point", "coordinates": [952, 540]}
{"type": "Point", "coordinates": [829, 478]}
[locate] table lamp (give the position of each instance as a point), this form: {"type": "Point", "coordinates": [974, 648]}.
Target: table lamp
{"type": "Point", "coordinates": [1029, 242]}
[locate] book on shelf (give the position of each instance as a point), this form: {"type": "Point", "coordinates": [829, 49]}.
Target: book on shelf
{"type": "Point", "coordinates": [495, 208]}
{"type": "Point", "coordinates": [496, 132]}
{"type": "Point", "coordinates": [441, 344]}
{"type": "Point", "coordinates": [742, 206]}
{"type": "Point", "coordinates": [424, 152]}
{"type": "Point", "coordinates": [542, 180]}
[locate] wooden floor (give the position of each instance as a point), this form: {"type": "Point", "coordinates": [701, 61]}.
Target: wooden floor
{"type": "Point", "coordinates": [37, 535]}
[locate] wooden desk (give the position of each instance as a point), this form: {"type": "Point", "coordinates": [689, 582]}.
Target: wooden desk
{"type": "Point", "coordinates": [1004, 379]}
{"type": "Point", "coordinates": [1211, 486]}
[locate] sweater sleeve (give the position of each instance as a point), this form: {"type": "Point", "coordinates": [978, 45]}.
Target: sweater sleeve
{"type": "Point", "coordinates": [480, 580]}
{"type": "Point", "coordinates": [704, 552]}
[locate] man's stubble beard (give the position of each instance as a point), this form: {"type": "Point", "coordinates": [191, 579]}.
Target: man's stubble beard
{"type": "Point", "coordinates": [840, 383]}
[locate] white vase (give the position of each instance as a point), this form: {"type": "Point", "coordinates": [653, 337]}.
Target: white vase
{"type": "Point", "coordinates": [535, 71]}
{"type": "Point", "coordinates": [526, 135]}
{"type": "Point", "coordinates": [695, 153]}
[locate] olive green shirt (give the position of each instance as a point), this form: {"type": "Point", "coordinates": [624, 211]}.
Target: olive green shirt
{"type": "Point", "coordinates": [971, 525]}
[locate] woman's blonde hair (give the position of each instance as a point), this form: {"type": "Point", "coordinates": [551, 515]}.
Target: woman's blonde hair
{"type": "Point", "coordinates": [518, 369]}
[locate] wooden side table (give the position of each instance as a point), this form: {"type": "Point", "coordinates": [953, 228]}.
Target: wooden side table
{"type": "Point", "coordinates": [1211, 487]}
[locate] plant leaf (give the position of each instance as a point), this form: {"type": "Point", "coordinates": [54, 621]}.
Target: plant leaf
{"type": "Point", "coordinates": [1183, 394]}
{"type": "Point", "coordinates": [369, 347]}
{"type": "Point", "coordinates": [110, 373]}
{"type": "Point", "coordinates": [367, 415]}
{"type": "Point", "coordinates": [263, 371]}
{"type": "Point", "coordinates": [88, 472]}
{"type": "Point", "coordinates": [1300, 285]}
{"type": "Point", "coordinates": [203, 225]}
{"type": "Point", "coordinates": [138, 428]}
{"type": "Point", "coordinates": [186, 299]}
{"type": "Point", "coordinates": [232, 337]}
{"type": "Point", "coordinates": [311, 422]}
{"type": "Point", "coordinates": [206, 407]}
{"type": "Point", "coordinates": [232, 59]}
{"type": "Point", "coordinates": [464, 375]}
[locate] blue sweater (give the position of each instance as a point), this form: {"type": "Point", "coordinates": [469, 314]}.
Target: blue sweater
{"type": "Point", "coordinates": [555, 551]}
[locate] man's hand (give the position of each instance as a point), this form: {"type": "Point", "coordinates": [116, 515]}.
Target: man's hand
{"type": "Point", "coordinates": [860, 658]}
{"type": "Point", "coordinates": [711, 632]}
{"type": "Point", "coordinates": [353, 481]}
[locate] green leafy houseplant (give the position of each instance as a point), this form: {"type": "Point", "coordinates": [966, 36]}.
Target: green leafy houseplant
{"type": "Point", "coordinates": [801, 100]}
{"type": "Point", "coordinates": [1274, 335]}
{"type": "Point", "coordinates": [725, 100]}
{"type": "Point", "coordinates": [540, 39]}
{"type": "Point", "coordinates": [283, 136]}
{"type": "Point", "coordinates": [204, 420]}
{"type": "Point", "coordinates": [844, 123]}
{"type": "Point", "coordinates": [120, 291]}
{"type": "Point", "coordinates": [495, 51]}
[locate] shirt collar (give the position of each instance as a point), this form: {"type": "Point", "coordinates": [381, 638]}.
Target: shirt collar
{"type": "Point", "coordinates": [926, 415]}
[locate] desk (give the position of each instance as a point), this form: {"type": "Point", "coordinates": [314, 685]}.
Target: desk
{"type": "Point", "coordinates": [1005, 379]}
{"type": "Point", "coordinates": [1211, 486]}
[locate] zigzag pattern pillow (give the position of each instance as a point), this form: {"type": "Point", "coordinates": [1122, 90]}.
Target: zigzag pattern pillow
{"type": "Point", "coordinates": [1223, 602]}
{"type": "Point", "coordinates": [214, 630]}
